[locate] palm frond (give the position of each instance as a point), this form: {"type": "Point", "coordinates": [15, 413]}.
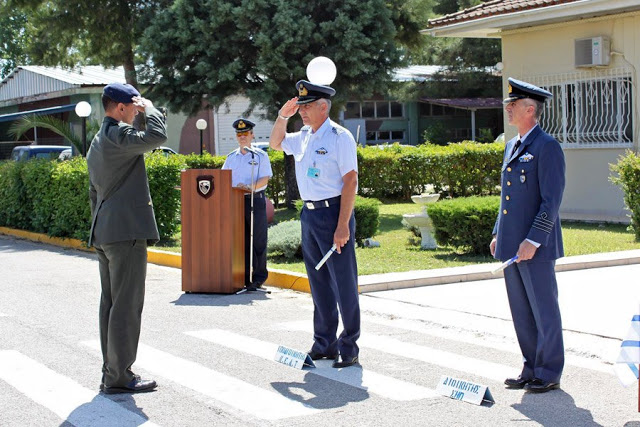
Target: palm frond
{"type": "Point", "coordinates": [61, 128]}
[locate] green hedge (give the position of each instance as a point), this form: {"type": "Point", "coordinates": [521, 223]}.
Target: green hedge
{"type": "Point", "coordinates": [52, 197]}
{"type": "Point", "coordinates": [367, 213]}
{"type": "Point", "coordinates": [465, 223]}
{"type": "Point", "coordinates": [457, 170]}
{"type": "Point", "coordinates": [627, 176]}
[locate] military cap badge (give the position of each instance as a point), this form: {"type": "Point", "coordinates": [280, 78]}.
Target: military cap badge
{"type": "Point", "coordinates": [302, 91]}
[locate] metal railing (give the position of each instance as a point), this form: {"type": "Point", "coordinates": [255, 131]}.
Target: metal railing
{"type": "Point", "coordinates": [589, 109]}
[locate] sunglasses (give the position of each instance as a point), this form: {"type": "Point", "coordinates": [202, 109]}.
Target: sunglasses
{"type": "Point", "coordinates": [245, 133]}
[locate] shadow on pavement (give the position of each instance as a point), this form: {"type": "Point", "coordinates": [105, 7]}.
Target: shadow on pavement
{"type": "Point", "coordinates": [554, 408]}
{"type": "Point", "coordinates": [103, 408]}
{"type": "Point", "coordinates": [321, 393]}
{"type": "Point", "coordinates": [219, 300]}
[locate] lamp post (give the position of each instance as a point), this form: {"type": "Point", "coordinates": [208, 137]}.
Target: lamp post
{"type": "Point", "coordinates": [201, 124]}
{"type": "Point", "coordinates": [83, 109]}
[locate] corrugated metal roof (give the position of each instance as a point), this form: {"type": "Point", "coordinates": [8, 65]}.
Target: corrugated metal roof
{"type": "Point", "coordinates": [32, 80]}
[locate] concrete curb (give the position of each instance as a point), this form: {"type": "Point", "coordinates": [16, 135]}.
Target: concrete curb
{"type": "Point", "coordinates": [370, 283]}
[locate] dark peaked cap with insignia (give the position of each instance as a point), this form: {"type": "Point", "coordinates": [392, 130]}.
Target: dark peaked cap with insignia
{"type": "Point", "coordinates": [308, 92]}
{"type": "Point", "coordinates": [120, 92]}
{"type": "Point", "coordinates": [520, 90]}
{"type": "Point", "coordinates": [243, 125]}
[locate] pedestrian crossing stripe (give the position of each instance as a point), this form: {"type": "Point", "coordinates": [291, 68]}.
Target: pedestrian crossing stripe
{"type": "Point", "coordinates": [264, 404]}
{"type": "Point", "coordinates": [358, 377]}
{"type": "Point", "coordinates": [493, 371]}
{"type": "Point", "coordinates": [509, 347]}
{"type": "Point", "coordinates": [61, 395]}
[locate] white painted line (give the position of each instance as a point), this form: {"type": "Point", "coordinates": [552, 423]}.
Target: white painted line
{"type": "Point", "coordinates": [445, 359]}
{"type": "Point", "coordinates": [364, 379]}
{"type": "Point", "coordinates": [61, 395]}
{"type": "Point", "coordinates": [509, 347]}
{"type": "Point", "coordinates": [236, 393]}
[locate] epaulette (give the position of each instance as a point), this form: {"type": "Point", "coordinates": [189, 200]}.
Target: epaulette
{"type": "Point", "coordinates": [336, 130]}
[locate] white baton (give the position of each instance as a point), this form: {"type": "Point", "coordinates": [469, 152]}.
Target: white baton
{"type": "Point", "coordinates": [505, 264]}
{"type": "Point", "coordinates": [326, 257]}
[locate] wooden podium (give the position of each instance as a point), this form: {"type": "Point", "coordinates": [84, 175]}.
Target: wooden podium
{"type": "Point", "coordinates": [212, 232]}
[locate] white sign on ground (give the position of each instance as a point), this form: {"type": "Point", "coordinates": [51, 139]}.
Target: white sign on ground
{"type": "Point", "coordinates": [466, 391]}
{"type": "Point", "coordinates": [294, 358]}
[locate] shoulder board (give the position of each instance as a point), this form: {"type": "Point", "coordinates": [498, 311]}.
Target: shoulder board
{"type": "Point", "coordinates": [337, 130]}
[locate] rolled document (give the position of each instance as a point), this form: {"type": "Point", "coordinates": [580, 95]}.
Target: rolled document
{"type": "Point", "coordinates": [505, 264]}
{"type": "Point", "coordinates": [326, 257]}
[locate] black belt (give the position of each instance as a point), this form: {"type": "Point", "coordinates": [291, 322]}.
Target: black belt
{"type": "Point", "coordinates": [259, 194]}
{"type": "Point", "coordinates": [311, 204]}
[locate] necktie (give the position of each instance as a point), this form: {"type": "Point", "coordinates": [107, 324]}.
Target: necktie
{"type": "Point", "coordinates": [515, 147]}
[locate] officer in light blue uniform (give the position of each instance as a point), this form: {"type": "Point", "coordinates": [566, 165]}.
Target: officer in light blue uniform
{"type": "Point", "coordinates": [327, 176]}
{"type": "Point", "coordinates": [528, 225]}
{"type": "Point", "coordinates": [243, 164]}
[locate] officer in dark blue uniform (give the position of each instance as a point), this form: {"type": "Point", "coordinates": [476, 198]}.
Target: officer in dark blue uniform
{"type": "Point", "coordinates": [251, 170]}
{"type": "Point", "coordinates": [327, 176]}
{"type": "Point", "coordinates": [528, 225]}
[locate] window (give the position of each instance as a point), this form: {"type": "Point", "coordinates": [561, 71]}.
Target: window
{"type": "Point", "coordinates": [589, 109]}
{"type": "Point", "coordinates": [369, 109]}
{"type": "Point", "coordinates": [383, 136]}
{"type": "Point", "coordinates": [374, 109]}
{"type": "Point", "coordinates": [352, 111]}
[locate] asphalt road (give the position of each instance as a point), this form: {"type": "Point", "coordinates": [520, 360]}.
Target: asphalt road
{"type": "Point", "coordinates": [212, 356]}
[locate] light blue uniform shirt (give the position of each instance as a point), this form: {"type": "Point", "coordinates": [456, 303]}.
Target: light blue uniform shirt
{"type": "Point", "coordinates": [240, 166]}
{"type": "Point", "coordinates": [322, 159]}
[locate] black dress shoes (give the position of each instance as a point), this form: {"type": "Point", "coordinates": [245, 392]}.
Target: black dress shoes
{"type": "Point", "coordinates": [316, 355]}
{"type": "Point", "coordinates": [350, 361]}
{"type": "Point", "coordinates": [137, 385]}
{"type": "Point", "coordinates": [516, 383]}
{"type": "Point", "coordinates": [540, 386]}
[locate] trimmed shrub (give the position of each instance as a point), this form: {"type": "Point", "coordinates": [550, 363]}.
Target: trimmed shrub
{"type": "Point", "coordinates": [460, 169]}
{"type": "Point", "coordinates": [628, 178]}
{"type": "Point", "coordinates": [465, 223]}
{"type": "Point", "coordinates": [285, 239]}
{"type": "Point", "coordinates": [71, 210]}
{"type": "Point", "coordinates": [367, 213]}
{"type": "Point", "coordinates": [277, 187]}
{"type": "Point", "coordinates": [164, 176]}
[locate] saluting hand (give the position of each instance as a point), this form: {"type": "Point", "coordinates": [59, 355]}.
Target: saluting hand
{"type": "Point", "coordinates": [289, 108]}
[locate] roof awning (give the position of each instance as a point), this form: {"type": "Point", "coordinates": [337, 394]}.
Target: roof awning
{"type": "Point", "coordinates": [467, 103]}
{"type": "Point", "coordinates": [40, 112]}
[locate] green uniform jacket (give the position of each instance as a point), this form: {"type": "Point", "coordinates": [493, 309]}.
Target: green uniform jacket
{"type": "Point", "coordinates": [121, 207]}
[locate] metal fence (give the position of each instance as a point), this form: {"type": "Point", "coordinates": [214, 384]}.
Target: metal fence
{"type": "Point", "coordinates": [589, 109]}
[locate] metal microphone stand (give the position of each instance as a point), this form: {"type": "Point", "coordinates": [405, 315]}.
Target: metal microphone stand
{"type": "Point", "coordinates": [250, 286]}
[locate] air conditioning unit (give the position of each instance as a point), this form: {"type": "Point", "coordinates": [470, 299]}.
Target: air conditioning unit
{"type": "Point", "coordinates": [592, 52]}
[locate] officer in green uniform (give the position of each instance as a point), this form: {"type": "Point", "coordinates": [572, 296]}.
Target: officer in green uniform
{"type": "Point", "coordinates": [122, 223]}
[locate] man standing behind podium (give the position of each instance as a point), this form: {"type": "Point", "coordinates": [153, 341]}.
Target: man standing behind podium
{"type": "Point", "coordinates": [251, 170]}
{"type": "Point", "coordinates": [327, 176]}
{"type": "Point", "coordinates": [123, 221]}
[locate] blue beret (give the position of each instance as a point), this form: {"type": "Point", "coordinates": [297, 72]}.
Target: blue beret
{"type": "Point", "coordinates": [519, 90]}
{"type": "Point", "coordinates": [120, 92]}
{"type": "Point", "coordinates": [308, 92]}
{"type": "Point", "coordinates": [243, 125]}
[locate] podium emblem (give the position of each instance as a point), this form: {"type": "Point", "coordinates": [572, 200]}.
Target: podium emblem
{"type": "Point", "coordinates": [204, 184]}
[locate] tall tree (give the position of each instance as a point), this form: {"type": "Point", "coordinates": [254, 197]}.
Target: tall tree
{"type": "Point", "coordinates": [14, 38]}
{"type": "Point", "coordinates": [260, 48]}
{"type": "Point", "coordinates": [73, 32]}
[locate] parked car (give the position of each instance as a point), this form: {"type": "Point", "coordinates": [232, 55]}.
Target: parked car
{"type": "Point", "coordinates": [167, 151]}
{"type": "Point", "coordinates": [26, 152]}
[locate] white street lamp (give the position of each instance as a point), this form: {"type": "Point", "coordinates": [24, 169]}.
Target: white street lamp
{"type": "Point", "coordinates": [201, 124]}
{"type": "Point", "coordinates": [83, 109]}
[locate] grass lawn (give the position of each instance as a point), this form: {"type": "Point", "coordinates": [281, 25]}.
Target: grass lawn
{"type": "Point", "coordinates": [395, 254]}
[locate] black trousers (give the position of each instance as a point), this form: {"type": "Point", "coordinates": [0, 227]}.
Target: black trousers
{"type": "Point", "coordinates": [259, 238]}
{"type": "Point", "coordinates": [123, 270]}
